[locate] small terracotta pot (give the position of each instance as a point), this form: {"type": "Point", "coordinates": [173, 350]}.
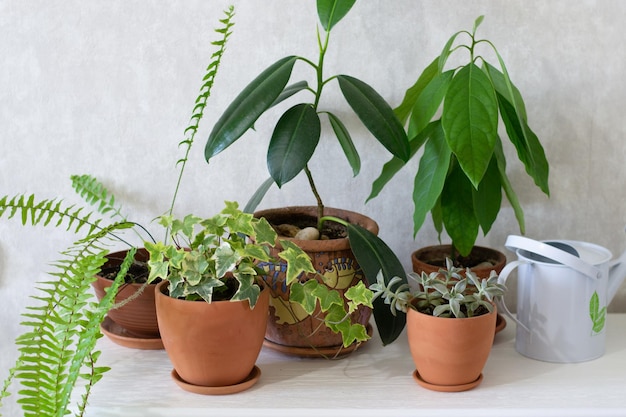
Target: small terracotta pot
{"type": "Point", "coordinates": [450, 352]}
{"type": "Point", "coordinates": [432, 258]}
{"type": "Point", "coordinates": [139, 315]}
{"type": "Point", "coordinates": [211, 345]}
{"type": "Point", "coordinates": [289, 325]}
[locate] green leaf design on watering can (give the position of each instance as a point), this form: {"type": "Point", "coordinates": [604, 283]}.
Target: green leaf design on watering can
{"type": "Point", "coordinates": [598, 315]}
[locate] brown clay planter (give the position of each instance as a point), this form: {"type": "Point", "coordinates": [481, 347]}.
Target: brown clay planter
{"type": "Point", "coordinates": [135, 321]}
{"type": "Point", "coordinates": [432, 258]}
{"type": "Point", "coordinates": [212, 346]}
{"type": "Point", "coordinates": [290, 330]}
{"type": "Point", "coordinates": [449, 353]}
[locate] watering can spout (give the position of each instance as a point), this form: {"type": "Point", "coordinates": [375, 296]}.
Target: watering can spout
{"type": "Point", "coordinates": [617, 273]}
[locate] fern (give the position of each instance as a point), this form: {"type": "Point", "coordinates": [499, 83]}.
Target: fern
{"type": "Point", "coordinates": [94, 192]}
{"type": "Point", "coordinates": [201, 100]}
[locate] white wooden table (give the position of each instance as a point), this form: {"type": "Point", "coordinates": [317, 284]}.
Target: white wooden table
{"type": "Point", "coordinates": [374, 381]}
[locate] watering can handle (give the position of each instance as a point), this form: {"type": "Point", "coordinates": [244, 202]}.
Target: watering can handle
{"type": "Point", "coordinates": [518, 242]}
{"type": "Point", "coordinates": [502, 277]}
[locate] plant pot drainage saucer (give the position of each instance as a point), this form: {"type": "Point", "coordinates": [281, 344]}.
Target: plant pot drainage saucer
{"type": "Point", "coordinates": [126, 338]}
{"type": "Point", "coordinates": [446, 388]}
{"type": "Point", "coordinates": [330, 352]}
{"type": "Point", "coordinates": [250, 380]}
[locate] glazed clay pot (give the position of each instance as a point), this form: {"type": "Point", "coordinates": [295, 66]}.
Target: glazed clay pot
{"type": "Point", "coordinates": [432, 258]}
{"type": "Point", "coordinates": [289, 325]}
{"type": "Point", "coordinates": [449, 353]}
{"type": "Point", "coordinates": [139, 315]}
{"type": "Point", "coordinates": [211, 345]}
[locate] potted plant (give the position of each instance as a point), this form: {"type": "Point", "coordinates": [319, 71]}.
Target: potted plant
{"type": "Point", "coordinates": [212, 305]}
{"type": "Point", "coordinates": [450, 320]}
{"type": "Point", "coordinates": [453, 115]}
{"type": "Point", "coordinates": [291, 146]}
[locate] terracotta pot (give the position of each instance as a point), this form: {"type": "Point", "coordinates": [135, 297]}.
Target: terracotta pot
{"type": "Point", "coordinates": [289, 325]}
{"type": "Point", "coordinates": [138, 316]}
{"type": "Point", "coordinates": [432, 258]}
{"type": "Point", "coordinates": [450, 353]}
{"type": "Point", "coordinates": [211, 345]}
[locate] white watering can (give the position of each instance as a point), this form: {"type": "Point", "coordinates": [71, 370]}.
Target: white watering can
{"type": "Point", "coordinates": [563, 289]}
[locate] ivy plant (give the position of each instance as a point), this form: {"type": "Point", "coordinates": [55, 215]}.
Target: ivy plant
{"type": "Point", "coordinates": [297, 132]}
{"type": "Point", "coordinates": [453, 115]}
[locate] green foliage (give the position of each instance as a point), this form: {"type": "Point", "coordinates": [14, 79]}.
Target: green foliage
{"type": "Point", "coordinates": [597, 314]}
{"type": "Point", "coordinates": [297, 132]}
{"type": "Point", "coordinates": [462, 171]}
{"type": "Point", "coordinates": [206, 253]}
{"type": "Point", "coordinates": [445, 293]}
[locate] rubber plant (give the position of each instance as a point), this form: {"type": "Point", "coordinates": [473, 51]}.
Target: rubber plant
{"type": "Point", "coordinates": [297, 132]}
{"type": "Point", "coordinates": [57, 354]}
{"type": "Point", "coordinates": [453, 115]}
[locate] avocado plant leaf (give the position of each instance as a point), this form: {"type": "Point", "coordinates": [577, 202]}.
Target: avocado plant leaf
{"type": "Point", "coordinates": [394, 165]}
{"type": "Point", "coordinates": [373, 255]}
{"type": "Point", "coordinates": [488, 197]}
{"type": "Point", "coordinates": [293, 142]}
{"type": "Point", "coordinates": [431, 176]}
{"type": "Point", "coordinates": [412, 93]}
{"type": "Point", "coordinates": [428, 102]}
{"type": "Point", "coordinates": [498, 152]}
{"type": "Point", "coordinates": [470, 120]}
{"type": "Point", "coordinates": [330, 12]}
{"type": "Point", "coordinates": [529, 149]}
{"type": "Point", "coordinates": [376, 115]}
{"type": "Point", "coordinates": [248, 106]}
{"type": "Point", "coordinates": [343, 136]}
{"type": "Point", "coordinates": [457, 210]}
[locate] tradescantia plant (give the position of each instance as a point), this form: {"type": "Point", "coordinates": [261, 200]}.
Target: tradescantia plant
{"type": "Point", "coordinates": [462, 171]}
{"type": "Point", "coordinates": [445, 293]}
{"type": "Point", "coordinates": [216, 259]}
{"type": "Point", "coordinates": [297, 132]}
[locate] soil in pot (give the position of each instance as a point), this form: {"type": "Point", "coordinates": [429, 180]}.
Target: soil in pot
{"type": "Point", "coordinates": [290, 330]}
{"type": "Point", "coordinates": [134, 324]}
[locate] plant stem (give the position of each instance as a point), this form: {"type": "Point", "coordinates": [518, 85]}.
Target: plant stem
{"type": "Point", "coordinates": [320, 204]}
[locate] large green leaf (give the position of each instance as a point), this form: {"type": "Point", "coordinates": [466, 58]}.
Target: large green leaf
{"type": "Point", "coordinates": [457, 211]}
{"type": "Point", "coordinates": [373, 256]}
{"type": "Point", "coordinates": [391, 168]}
{"type": "Point", "coordinates": [241, 114]}
{"type": "Point", "coordinates": [529, 149]}
{"type": "Point", "coordinates": [343, 136]}
{"type": "Point", "coordinates": [430, 177]}
{"type": "Point", "coordinates": [488, 197]}
{"type": "Point", "coordinates": [470, 120]}
{"type": "Point", "coordinates": [293, 142]}
{"type": "Point", "coordinates": [412, 93]}
{"type": "Point", "coordinates": [429, 102]}
{"type": "Point", "coordinates": [376, 115]}
{"type": "Point", "coordinates": [332, 11]}
{"type": "Point", "coordinates": [506, 88]}
{"type": "Point", "coordinates": [506, 186]}
{"type": "Point", "coordinates": [289, 91]}
{"type": "Point", "coordinates": [258, 196]}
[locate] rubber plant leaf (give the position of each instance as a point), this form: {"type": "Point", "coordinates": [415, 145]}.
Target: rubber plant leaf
{"type": "Point", "coordinates": [258, 196]}
{"type": "Point", "coordinates": [391, 168]}
{"type": "Point", "coordinates": [293, 142]}
{"type": "Point", "coordinates": [431, 177]}
{"type": "Point", "coordinates": [529, 150]}
{"type": "Point", "coordinates": [343, 136]}
{"type": "Point", "coordinates": [470, 120]}
{"type": "Point", "coordinates": [248, 106]}
{"type": "Point", "coordinates": [289, 91]}
{"type": "Point", "coordinates": [457, 211]}
{"type": "Point", "coordinates": [376, 115]}
{"type": "Point", "coordinates": [488, 197]}
{"type": "Point", "coordinates": [373, 255]}
{"type": "Point", "coordinates": [330, 12]}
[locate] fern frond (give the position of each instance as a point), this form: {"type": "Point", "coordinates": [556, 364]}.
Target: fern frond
{"type": "Point", "coordinates": [96, 194]}
{"type": "Point", "coordinates": [205, 91]}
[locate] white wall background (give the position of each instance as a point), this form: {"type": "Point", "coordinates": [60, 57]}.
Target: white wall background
{"type": "Point", "coordinates": [107, 88]}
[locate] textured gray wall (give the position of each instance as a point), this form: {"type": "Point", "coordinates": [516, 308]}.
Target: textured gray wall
{"type": "Point", "coordinates": [106, 88]}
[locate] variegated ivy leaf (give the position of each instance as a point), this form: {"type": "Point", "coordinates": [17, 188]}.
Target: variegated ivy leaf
{"type": "Point", "coordinates": [297, 261]}
{"type": "Point", "coordinates": [225, 259]}
{"type": "Point", "coordinates": [326, 296]}
{"type": "Point", "coordinates": [241, 223]}
{"type": "Point", "coordinates": [194, 266]}
{"type": "Point", "coordinates": [265, 233]}
{"type": "Point", "coordinates": [302, 294]}
{"type": "Point", "coordinates": [186, 225]}
{"type": "Point", "coordinates": [247, 289]}
{"type": "Point", "coordinates": [359, 294]}
{"type": "Point", "coordinates": [338, 321]}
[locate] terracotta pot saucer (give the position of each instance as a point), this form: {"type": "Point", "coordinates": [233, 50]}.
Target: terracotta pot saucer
{"type": "Point", "coordinates": [500, 323]}
{"type": "Point", "coordinates": [127, 338]}
{"type": "Point", "coordinates": [331, 352]}
{"type": "Point", "coordinates": [250, 380]}
{"type": "Point", "coordinates": [446, 388]}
